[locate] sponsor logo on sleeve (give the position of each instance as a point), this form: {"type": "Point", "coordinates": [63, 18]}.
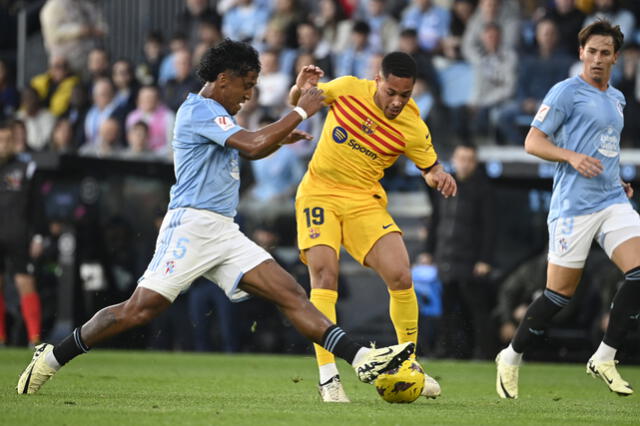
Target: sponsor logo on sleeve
{"type": "Point", "coordinates": [542, 113]}
{"type": "Point", "coordinates": [224, 122]}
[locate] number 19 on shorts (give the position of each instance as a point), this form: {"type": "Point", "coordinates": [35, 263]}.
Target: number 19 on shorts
{"type": "Point", "coordinates": [314, 215]}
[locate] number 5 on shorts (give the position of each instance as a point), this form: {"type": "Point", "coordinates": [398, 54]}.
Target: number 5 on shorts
{"type": "Point", "coordinates": [314, 216]}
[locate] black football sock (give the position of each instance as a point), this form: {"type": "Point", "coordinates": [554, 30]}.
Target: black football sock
{"type": "Point", "coordinates": [336, 341]}
{"type": "Point", "coordinates": [625, 309]}
{"type": "Point", "coordinates": [536, 319]}
{"type": "Point", "coordinates": [70, 347]}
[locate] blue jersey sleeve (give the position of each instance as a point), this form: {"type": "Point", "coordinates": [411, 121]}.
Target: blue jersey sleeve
{"type": "Point", "coordinates": [554, 110]}
{"type": "Point", "coordinates": [213, 123]}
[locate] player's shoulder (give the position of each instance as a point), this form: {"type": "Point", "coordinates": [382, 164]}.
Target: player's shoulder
{"type": "Point", "coordinates": [349, 83]}
{"type": "Point", "coordinates": [617, 94]}
{"type": "Point", "coordinates": [563, 90]}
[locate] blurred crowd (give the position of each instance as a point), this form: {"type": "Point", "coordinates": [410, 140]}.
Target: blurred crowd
{"type": "Point", "coordinates": [484, 67]}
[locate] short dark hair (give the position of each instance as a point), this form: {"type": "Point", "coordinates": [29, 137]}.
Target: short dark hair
{"type": "Point", "coordinates": [604, 28]}
{"type": "Point", "coordinates": [236, 56]}
{"type": "Point", "coordinates": [399, 64]}
{"type": "Point", "coordinates": [361, 27]}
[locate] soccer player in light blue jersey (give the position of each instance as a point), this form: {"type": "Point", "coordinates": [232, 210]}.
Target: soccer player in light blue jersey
{"type": "Point", "coordinates": [578, 126]}
{"type": "Point", "coordinates": [199, 237]}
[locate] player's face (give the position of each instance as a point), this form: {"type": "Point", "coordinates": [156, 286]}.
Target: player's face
{"type": "Point", "coordinates": [392, 94]}
{"type": "Point", "coordinates": [237, 90]}
{"type": "Point", "coordinates": [598, 57]}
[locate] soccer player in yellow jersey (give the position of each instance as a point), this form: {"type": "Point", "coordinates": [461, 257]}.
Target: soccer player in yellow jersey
{"type": "Point", "coordinates": [340, 200]}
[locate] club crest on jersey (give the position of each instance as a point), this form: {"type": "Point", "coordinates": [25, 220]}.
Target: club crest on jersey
{"type": "Point", "coordinates": [224, 122]}
{"type": "Point", "coordinates": [369, 126]}
{"type": "Point", "coordinates": [314, 233]}
{"type": "Point", "coordinates": [339, 134]}
{"type": "Point", "coordinates": [169, 267]}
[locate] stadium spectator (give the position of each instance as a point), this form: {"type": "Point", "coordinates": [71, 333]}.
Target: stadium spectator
{"type": "Point", "coordinates": [184, 82]}
{"type": "Point", "coordinates": [355, 59]}
{"type": "Point", "coordinates": [461, 12]}
{"type": "Point", "coordinates": [611, 11]}
{"type": "Point", "coordinates": [77, 114]}
{"type": "Point", "coordinates": [430, 21]}
{"type": "Point", "coordinates": [138, 143]}
{"type": "Point", "coordinates": [62, 141]}
{"type": "Point", "coordinates": [98, 66]}
{"type": "Point", "coordinates": [194, 14]}
{"type": "Point", "coordinates": [273, 84]}
{"type": "Point", "coordinates": [108, 142]}
{"type": "Point", "coordinates": [158, 117]}
{"type": "Point", "coordinates": [104, 106]}
{"type": "Point", "coordinates": [71, 28]}
{"type": "Point", "coordinates": [148, 70]}
{"type": "Point", "coordinates": [275, 40]}
{"type": "Point", "coordinates": [569, 20]}
{"type": "Point", "coordinates": [38, 121]}
{"type": "Point", "coordinates": [460, 243]}
{"type": "Point", "coordinates": [285, 15]}
{"type": "Point", "coordinates": [125, 84]}
{"type": "Point", "coordinates": [537, 73]}
{"type": "Point", "coordinates": [9, 97]}
{"type": "Point", "coordinates": [310, 41]}
{"type": "Point", "coordinates": [167, 69]}
{"type": "Point", "coordinates": [245, 21]}
{"type": "Point", "coordinates": [494, 68]}
{"type": "Point", "coordinates": [331, 18]}
{"type": "Point", "coordinates": [629, 85]}
{"type": "Point", "coordinates": [383, 36]}
{"type": "Point", "coordinates": [209, 35]}
{"type": "Point", "coordinates": [17, 229]}
{"type": "Point", "coordinates": [408, 43]}
{"type": "Point", "coordinates": [501, 13]}
{"type": "Point", "coordinates": [55, 86]}
{"type": "Point", "coordinates": [20, 146]}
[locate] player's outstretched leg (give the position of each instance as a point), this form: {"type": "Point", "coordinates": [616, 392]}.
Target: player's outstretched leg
{"type": "Point", "coordinates": [139, 309]}
{"type": "Point", "coordinates": [507, 375]}
{"type": "Point", "coordinates": [270, 281]}
{"type": "Point", "coordinates": [606, 370]}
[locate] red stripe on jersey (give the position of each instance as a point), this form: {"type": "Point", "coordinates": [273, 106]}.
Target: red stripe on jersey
{"type": "Point", "coordinates": [355, 134]}
{"type": "Point", "coordinates": [380, 129]}
{"type": "Point", "coordinates": [378, 118]}
{"type": "Point", "coordinates": [357, 124]}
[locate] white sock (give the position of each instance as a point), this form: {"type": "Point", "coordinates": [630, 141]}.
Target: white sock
{"type": "Point", "coordinates": [604, 353]}
{"type": "Point", "coordinates": [360, 355]}
{"type": "Point", "coordinates": [327, 372]}
{"type": "Point", "coordinates": [51, 361]}
{"type": "Point", "coordinates": [511, 357]}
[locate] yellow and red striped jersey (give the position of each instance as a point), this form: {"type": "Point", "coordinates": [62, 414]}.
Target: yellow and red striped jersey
{"type": "Point", "coordinates": [358, 142]}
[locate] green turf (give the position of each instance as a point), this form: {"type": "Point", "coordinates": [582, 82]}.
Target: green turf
{"type": "Point", "coordinates": [139, 388]}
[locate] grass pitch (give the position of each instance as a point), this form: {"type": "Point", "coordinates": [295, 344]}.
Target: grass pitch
{"type": "Point", "coordinates": [151, 388]}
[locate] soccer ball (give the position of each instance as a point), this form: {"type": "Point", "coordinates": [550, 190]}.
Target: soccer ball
{"type": "Point", "coordinates": [403, 384]}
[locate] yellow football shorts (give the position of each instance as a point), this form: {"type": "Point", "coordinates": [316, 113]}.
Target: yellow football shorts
{"type": "Point", "coordinates": [355, 221]}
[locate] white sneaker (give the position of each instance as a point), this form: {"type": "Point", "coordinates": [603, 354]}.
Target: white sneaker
{"type": "Point", "coordinates": [379, 360]}
{"type": "Point", "coordinates": [332, 391]}
{"type": "Point", "coordinates": [506, 379]}
{"type": "Point", "coordinates": [607, 371]}
{"type": "Point", "coordinates": [431, 387]}
{"type": "Point", "coordinates": [37, 372]}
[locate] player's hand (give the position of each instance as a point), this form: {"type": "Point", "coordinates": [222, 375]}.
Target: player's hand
{"type": "Point", "coordinates": [295, 136]}
{"type": "Point", "coordinates": [442, 181]}
{"type": "Point", "coordinates": [312, 100]}
{"type": "Point", "coordinates": [628, 189]}
{"type": "Point", "coordinates": [308, 77]}
{"type": "Point", "coordinates": [587, 166]}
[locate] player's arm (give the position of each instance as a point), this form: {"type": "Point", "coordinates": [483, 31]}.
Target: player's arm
{"type": "Point", "coordinates": [436, 177]}
{"type": "Point", "coordinates": [258, 144]}
{"type": "Point", "coordinates": [537, 143]}
{"type": "Point", "coordinates": [628, 189]}
{"type": "Point", "coordinates": [307, 77]}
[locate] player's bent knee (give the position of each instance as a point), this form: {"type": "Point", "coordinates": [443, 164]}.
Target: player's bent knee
{"type": "Point", "coordinates": [399, 280]}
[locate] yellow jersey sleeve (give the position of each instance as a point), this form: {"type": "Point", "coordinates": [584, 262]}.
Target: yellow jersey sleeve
{"type": "Point", "coordinates": [419, 148]}
{"type": "Point", "coordinates": [339, 86]}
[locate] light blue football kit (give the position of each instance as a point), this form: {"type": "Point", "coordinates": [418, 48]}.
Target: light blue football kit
{"type": "Point", "coordinates": [198, 236]}
{"type": "Point", "coordinates": [579, 117]}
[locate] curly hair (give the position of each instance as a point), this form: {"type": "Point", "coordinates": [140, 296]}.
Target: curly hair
{"type": "Point", "coordinates": [235, 56]}
{"type": "Point", "coordinates": [399, 64]}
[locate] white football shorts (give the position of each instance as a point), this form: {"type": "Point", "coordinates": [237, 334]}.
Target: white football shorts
{"type": "Point", "coordinates": [570, 238]}
{"type": "Point", "coordinates": [194, 243]}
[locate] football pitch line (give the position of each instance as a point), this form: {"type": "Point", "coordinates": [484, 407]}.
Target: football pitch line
{"type": "Point", "coordinates": [155, 388]}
